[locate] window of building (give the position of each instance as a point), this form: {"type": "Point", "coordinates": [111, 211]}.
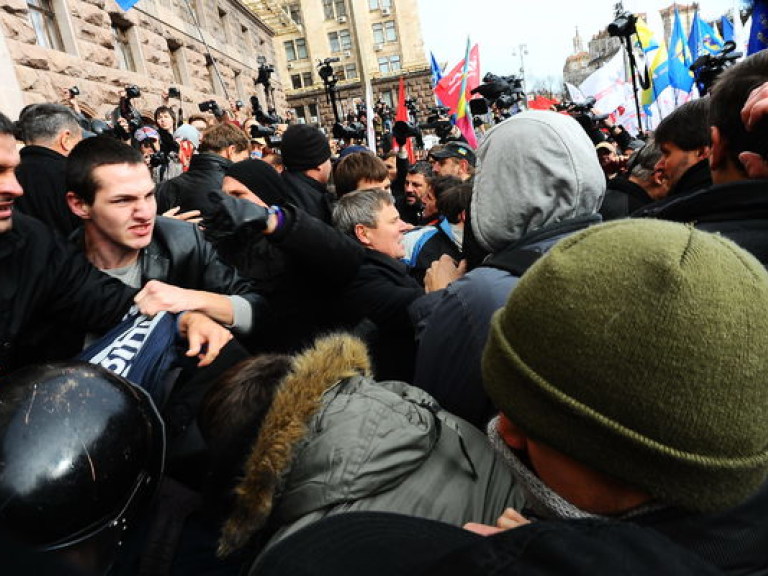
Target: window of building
{"type": "Point", "coordinates": [43, 20]}
{"type": "Point", "coordinates": [313, 115]}
{"type": "Point", "coordinates": [295, 49]}
{"type": "Point", "coordinates": [177, 62]}
{"type": "Point", "coordinates": [306, 79]}
{"type": "Point", "coordinates": [380, 4]}
{"type": "Point", "coordinates": [340, 41]}
{"type": "Point", "coordinates": [213, 76]}
{"type": "Point", "coordinates": [223, 25]}
{"type": "Point", "coordinates": [384, 32]}
{"type": "Point", "coordinates": [123, 52]}
{"type": "Point", "coordinates": [350, 71]}
{"type": "Point", "coordinates": [294, 12]}
{"type": "Point", "coordinates": [390, 32]}
{"type": "Point", "coordinates": [334, 9]}
{"type": "Point", "coordinates": [296, 81]}
{"type": "Point", "coordinates": [389, 64]}
{"type": "Point", "coordinates": [388, 97]}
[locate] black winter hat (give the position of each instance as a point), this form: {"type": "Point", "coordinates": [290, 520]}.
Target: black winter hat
{"type": "Point", "coordinates": [304, 147]}
{"type": "Point", "coordinates": [261, 179]}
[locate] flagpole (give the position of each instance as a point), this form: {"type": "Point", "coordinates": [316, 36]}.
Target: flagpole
{"type": "Point", "coordinates": [207, 49]}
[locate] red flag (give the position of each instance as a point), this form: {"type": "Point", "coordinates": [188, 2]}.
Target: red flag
{"type": "Point", "coordinates": [402, 114]}
{"type": "Point", "coordinates": [449, 88]}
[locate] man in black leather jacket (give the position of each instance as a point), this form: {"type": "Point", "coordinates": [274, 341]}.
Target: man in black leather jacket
{"type": "Point", "coordinates": [45, 282]}
{"type": "Point", "coordinates": [221, 145]}
{"type": "Point", "coordinates": [112, 192]}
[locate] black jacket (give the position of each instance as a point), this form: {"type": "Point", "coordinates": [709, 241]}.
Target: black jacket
{"type": "Point", "coordinates": [697, 177]}
{"type": "Point", "coordinates": [376, 304]}
{"type": "Point", "coordinates": [42, 176]}
{"type": "Point", "coordinates": [737, 210]}
{"type": "Point", "coordinates": [622, 198]}
{"type": "Point", "coordinates": [299, 269]}
{"type": "Point", "coordinates": [179, 255]}
{"type": "Point", "coordinates": [309, 195]}
{"type": "Point", "coordinates": [191, 190]}
{"type": "Point", "coordinates": [45, 282]}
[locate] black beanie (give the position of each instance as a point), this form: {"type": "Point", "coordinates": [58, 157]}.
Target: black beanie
{"type": "Point", "coordinates": [260, 178]}
{"type": "Point", "coordinates": [304, 147]}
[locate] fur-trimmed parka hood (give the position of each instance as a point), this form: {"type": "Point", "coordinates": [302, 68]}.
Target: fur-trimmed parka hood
{"type": "Point", "coordinates": [334, 440]}
{"type": "Point", "coordinates": [298, 398]}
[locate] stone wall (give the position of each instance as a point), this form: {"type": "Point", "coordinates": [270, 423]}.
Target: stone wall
{"type": "Point", "coordinates": [90, 61]}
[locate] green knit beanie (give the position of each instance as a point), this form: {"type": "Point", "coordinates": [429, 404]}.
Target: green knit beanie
{"type": "Point", "coordinates": [640, 348]}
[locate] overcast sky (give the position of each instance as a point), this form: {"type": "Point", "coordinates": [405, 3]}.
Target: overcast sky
{"type": "Point", "coordinates": [547, 27]}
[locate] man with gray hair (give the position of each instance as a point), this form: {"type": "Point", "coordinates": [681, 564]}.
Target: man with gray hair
{"type": "Point", "coordinates": [642, 184]}
{"type": "Point", "coordinates": [376, 302]}
{"type": "Point", "coordinates": [50, 131]}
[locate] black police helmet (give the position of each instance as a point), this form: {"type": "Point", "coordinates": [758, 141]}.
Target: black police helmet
{"type": "Point", "coordinates": [81, 450]}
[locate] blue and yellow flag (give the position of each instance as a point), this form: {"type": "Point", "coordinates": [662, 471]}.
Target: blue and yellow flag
{"type": "Point", "coordinates": [656, 60]}
{"type": "Point", "coordinates": [703, 39]}
{"type": "Point", "coordinates": [680, 76]}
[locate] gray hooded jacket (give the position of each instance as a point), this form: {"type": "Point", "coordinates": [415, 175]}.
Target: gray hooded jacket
{"type": "Point", "coordinates": [539, 180]}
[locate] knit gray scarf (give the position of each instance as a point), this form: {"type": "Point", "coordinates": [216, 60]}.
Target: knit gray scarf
{"type": "Point", "coordinates": [540, 501]}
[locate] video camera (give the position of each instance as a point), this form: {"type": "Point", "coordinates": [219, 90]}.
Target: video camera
{"type": "Point", "coordinates": [268, 133]}
{"type": "Point", "coordinates": [583, 114]}
{"type": "Point", "coordinates": [264, 118]}
{"type": "Point", "coordinates": [500, 93]}
{"type": "Point", "coordinates": [353, 130]}
{"type": "Point", "coordinates": [707, 67]}
{"type": "Point", "coordinates": [623, 25]}
{"type": "Point", "coordinates": [211, 106]}
{"type": "Point", "coordinates": [125, 109]}
{"type": "Point", "coordinates": [326, 72]}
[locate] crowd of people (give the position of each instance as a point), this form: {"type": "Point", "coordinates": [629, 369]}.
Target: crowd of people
{"type": "Point", "coordinates": [544, 354]}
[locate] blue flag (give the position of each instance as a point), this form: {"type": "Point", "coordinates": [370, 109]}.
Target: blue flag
{"type": "Point", "coordinates": [437, 74]}
{"type": "Point", "coordinates": [758, 37]}
{"type": "Point", "coordinates": [126, 4]}
{"type": "Point", "coordinates": [703, 39]}
{"type": "Point", "coordinates": [680, 76]}
{"type": "Point", "coordinates": [727, 28]}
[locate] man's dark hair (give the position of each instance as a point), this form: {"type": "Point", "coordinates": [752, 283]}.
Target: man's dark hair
{"type": "Point", "coordinates": [223, 135]}
{"type": "Point", "coordinates": [162, 109]}
{"type": "Point", "coordinates": [440, 184]}
{"type": "Point", "coordinates": [40, 123]}
{"type": "Point", "coordinates": [687, 127]}
{"type": "Point", "coordinates": [6, 125]}
{"type": "Point", "coordinates": [421, 167]}
{"type": "Point", "coordinates": [453, 201]}
{"type": "Point", "coordinates": [728, 96]}
{"type": "Point", "coordinates": [232, 414]}
{"type": "Point", "coordinates": [355, 167]}
{"type": "Point", "coordinates": [91, 153]}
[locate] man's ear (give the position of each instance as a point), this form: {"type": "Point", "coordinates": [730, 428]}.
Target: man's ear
{"type": "Point", "coordinates": [361, 233]}
{"type": "Point", "coordinates": [78, 206]}
{"type": "Point", "coordinates": [754, 164]}
{"type": "Point", "coordinates": [511, 434]}
{"type": "Point", "coordinates": [718, 155]}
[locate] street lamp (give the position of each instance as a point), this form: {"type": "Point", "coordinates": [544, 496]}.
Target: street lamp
{"type": "Point", "coordinates": [522, 50]}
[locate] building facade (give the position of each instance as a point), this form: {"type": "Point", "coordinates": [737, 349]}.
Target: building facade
{"type": "Point", "coordinates": [206, 49]}
{"type": "Point", "coordinates": [376, 40]}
